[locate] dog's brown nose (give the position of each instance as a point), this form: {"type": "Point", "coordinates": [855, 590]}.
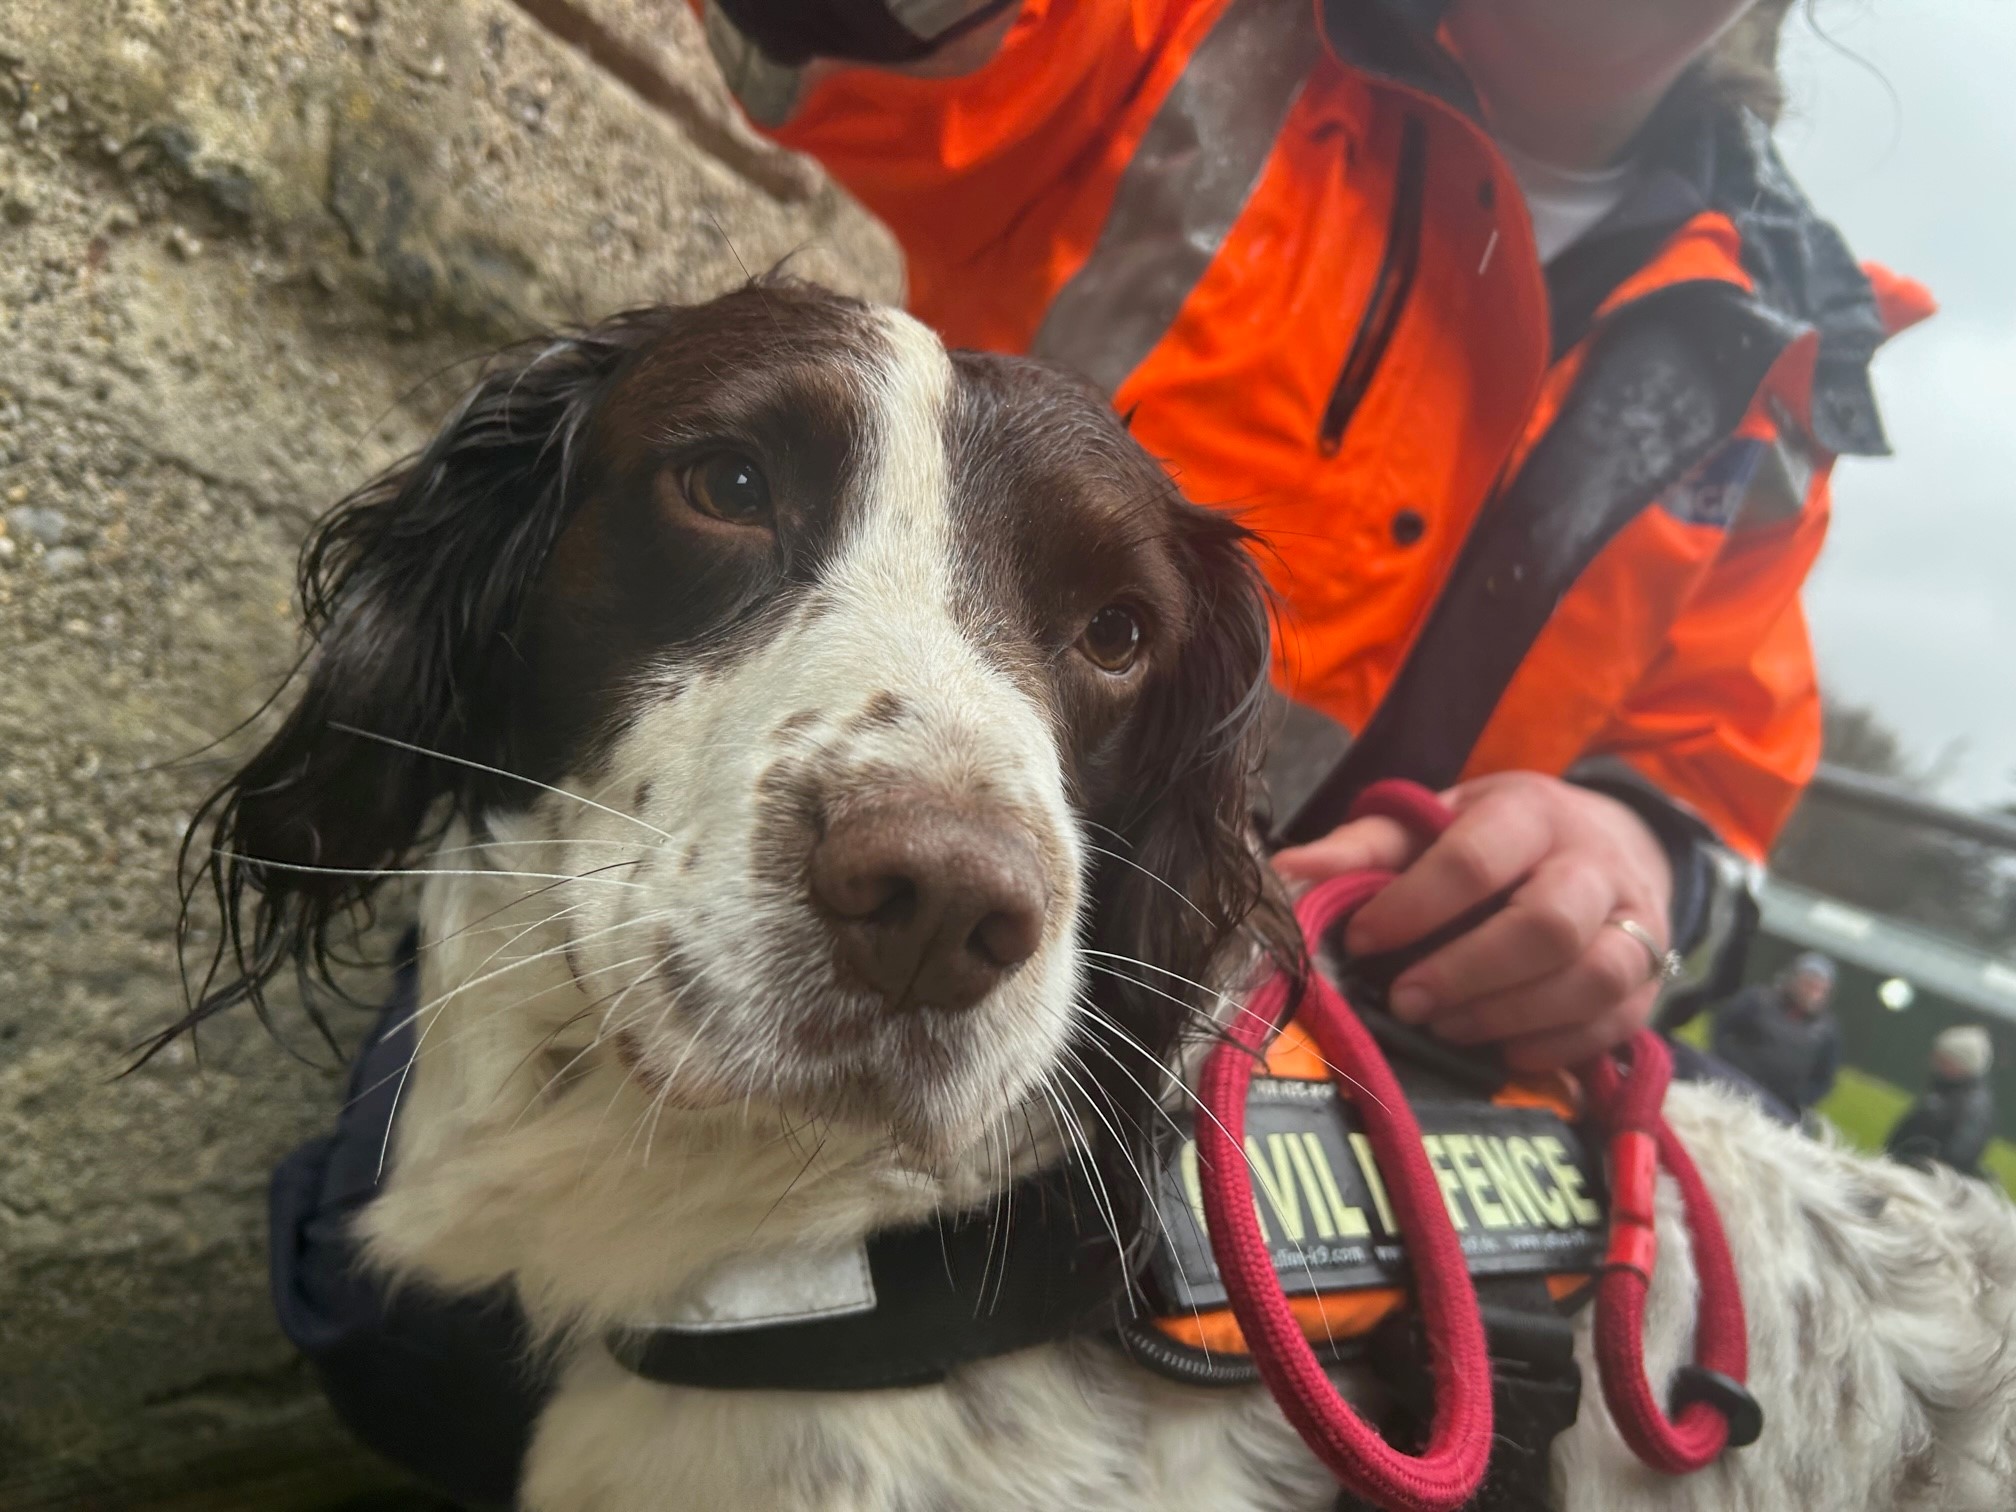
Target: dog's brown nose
{"type": "Point", "coordinates": [931, 906]}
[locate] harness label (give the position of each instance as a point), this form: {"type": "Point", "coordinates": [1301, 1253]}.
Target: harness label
{"type": "Point", "coordinates": [772, 1287]}
{"type": "Point", "coordinates": [1523, 1192]}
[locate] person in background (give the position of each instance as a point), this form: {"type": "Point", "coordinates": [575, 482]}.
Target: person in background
{"type": "Point", "coordinates": [1954, 1117]}
{"type": "Point", "coordinates": [1782, 1034]}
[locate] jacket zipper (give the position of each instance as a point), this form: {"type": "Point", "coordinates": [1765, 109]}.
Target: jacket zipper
{"type": "Point", "coordinates": [1395, 281]}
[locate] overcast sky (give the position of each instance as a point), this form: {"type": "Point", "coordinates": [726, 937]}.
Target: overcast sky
{"type": "Point", "coordinates": [1914, 602]}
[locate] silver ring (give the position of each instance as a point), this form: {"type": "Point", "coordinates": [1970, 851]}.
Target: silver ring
{"type": "Point", "coordinates": [1665, 964]}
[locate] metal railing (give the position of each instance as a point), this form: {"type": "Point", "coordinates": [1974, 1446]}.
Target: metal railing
{"type": "Point", "coordinates": [1892, 800]}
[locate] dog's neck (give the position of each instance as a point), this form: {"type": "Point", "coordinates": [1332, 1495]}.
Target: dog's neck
{"type": "Point", "coordinates": [525, 1150]}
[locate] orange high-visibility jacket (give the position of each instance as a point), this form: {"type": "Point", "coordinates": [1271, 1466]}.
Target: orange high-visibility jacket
{"type": "Point", "coordinates": [1551, 519]}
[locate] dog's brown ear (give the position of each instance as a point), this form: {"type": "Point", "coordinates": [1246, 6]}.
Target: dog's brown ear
{"type": "Point", "coordinates": [411, 588]}
{"type": "Point", "coordinates": [1194, 898]}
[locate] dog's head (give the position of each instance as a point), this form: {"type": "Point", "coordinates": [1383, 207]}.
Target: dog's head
{"type": "Point", "coordinates": [892, 709]}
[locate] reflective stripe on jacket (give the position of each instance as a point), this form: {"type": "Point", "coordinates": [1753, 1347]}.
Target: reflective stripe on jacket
{"type": "Point", "coordinates": [1284, 244]}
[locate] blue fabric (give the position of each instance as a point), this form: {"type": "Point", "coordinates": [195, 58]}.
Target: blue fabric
{"type": "Point", "coordinates": [445, 1388]}
{"type": "Point", "coordinates": [1691, 1064]}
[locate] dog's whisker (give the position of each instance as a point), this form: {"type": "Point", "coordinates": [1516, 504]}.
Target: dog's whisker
{"type": "Point", "coordinates": [1245, 1155]}
{"type": "Point", "coordinates": [1152, 876]}
{"type": "Point", "coordinates": [478, 766]}
{"type": "Point", "coordinates": [1124, 1147]}
{"type": "Point", "coordinates": [790, 1186]}
{"type": "Point", "coordinates": [1105, 1197]}
{"type": "Point", "coordinates": [431, 1010]}
{"type": "Point", "coordinates": [478, 846]}
{"type": "Point", "coordinates": [1335, 1070]}
{"type": "Point", "coordinates": [561, 1074]}
{"type": "Point", "coordinates": [522, 932]}
{"type": "Point", "coordinates": [522, 899]}
{"type": "Point", "coordinates": [425, 871]}
{"type": "Point", "coordinates": [997, 1159]}
{"type": "Point", "coordinates": [1176, 1129]}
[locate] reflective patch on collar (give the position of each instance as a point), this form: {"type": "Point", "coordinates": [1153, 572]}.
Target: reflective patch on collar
{"type": "Point", "coordinates": [755, 1291]}
{"type": "Point", "coordinates": [1712, 494]}
{"type": "Point", "coordinates": [1524, 1192]}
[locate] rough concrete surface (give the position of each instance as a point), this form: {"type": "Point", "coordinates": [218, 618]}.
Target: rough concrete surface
{"type": "Point", "coordinates": [235, 235]}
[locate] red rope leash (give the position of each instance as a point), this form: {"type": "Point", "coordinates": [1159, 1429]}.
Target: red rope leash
{"type": "Point", "coordinates": [1450, 1468]}
{"type": "Point", "coordinates": [1715, 1412]}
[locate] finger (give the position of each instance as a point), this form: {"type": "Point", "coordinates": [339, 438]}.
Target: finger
{"type": "Point", "coordinates": [1601, 978]}
{"type": "Point", "coordinates": [1465, 796]}
{"type": "Point", "coordinates": [1485, 851]}
{"type": "Point", "coordinates": [1377, 843]}
{"type": "Point", "coordinates": [1545, 928]}
{"type": "Point", "coordinates": [1560, 1001]}
{"type": "Point", "coordinates": [1560, 1048]}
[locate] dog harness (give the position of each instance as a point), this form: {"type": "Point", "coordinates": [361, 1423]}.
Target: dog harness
{"type": "Point", "coordinates": [1711, 1408]}
{"type": "Point", "coordinates": [1346, 1191]}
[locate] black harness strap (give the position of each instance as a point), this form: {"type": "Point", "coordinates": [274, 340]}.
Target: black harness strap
{"type": "Point", "coordinates": [1676, 371]}
{"type": "Point", "coordinates": [1004, 1277]}
{"type": "Point", "coordinates": [1536, 1389]}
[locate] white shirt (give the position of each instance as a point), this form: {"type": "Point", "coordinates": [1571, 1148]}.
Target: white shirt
{"type": "Point", "coordinates": [1566, 203]}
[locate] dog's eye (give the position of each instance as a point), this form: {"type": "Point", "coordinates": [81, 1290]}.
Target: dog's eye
{"type": "Point", "coordinates": [1112, 639]}
{"type": "Point", "coordinates": [729, 487]}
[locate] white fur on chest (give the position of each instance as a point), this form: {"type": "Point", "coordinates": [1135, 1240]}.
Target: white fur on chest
{"type": "Point", "coordinates": [1876, 1341]}
{"type": "Point", "coordinates": [1064, 1428]}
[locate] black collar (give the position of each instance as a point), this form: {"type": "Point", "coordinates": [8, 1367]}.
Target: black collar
{"type": "Point", "coordinates": [1033, 1269]}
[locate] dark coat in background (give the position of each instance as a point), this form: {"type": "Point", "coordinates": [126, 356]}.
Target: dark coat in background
{"type": "Point", "coordinates": [1793, 1056]}
{"type": "Point", "coordinates": [1951, 1122]}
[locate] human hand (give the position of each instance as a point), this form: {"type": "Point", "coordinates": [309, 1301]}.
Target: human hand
{"type": "Point", "coordinates": [1545, 975]}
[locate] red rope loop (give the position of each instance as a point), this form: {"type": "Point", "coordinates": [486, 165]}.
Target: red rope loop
{"type": "Point", "coordinates": [1629, 1106]}
{"type": "Point", "coordinates": [1451, 1466]}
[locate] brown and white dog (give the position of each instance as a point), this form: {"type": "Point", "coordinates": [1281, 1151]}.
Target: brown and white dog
{"type": "Point", "coordinates": [828, 760]}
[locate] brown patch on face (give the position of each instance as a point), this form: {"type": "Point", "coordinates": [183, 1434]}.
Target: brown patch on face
{"type": "Point", "coordinates": [770, 376]}
{"type": "Point", "coordinates": [631, 1053]}
{"type": "Point", "coordinates": [804, 719]}
{"type": "Point", "coordinates": [1058, 515]}
{"type": "Point", "coordinates": [884, 710]}
{"type": "Point", "coordinates": [791, 795]}
{"type": "Point", "coordinates": [642, 795]}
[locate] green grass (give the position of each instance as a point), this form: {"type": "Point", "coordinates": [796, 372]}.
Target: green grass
{"type": "Point", "coordinates": [1865, 1107]}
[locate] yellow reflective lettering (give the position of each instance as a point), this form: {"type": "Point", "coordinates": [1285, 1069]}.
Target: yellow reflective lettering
{"type": "Point", "coordinates": [1278, 1180]}
{"type": "Point", "coordinates": [1362, 1148]}
{"type": "Point", "coordinates": [1509, 1179]}
{"type": "Point", "coordinates": [1569, 1180]}
{"type": "Point", "coordinates": [1298, 1156]}
{"type": "Point", "coordinates": [1445, 1175]}
{"type": "Point", "coordinates": [1550, 1199]}
{"type": "Point", "coordinates": [1347, 1220]}
{"type": "Point", "coordinates": [1463, 1155]}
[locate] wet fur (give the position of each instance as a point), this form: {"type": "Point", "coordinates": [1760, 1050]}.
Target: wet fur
{"type": "Point", "coordinates": [468, 617]}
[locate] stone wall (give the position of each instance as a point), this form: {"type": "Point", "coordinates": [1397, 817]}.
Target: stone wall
{"type": "Point", "coordinates": [241, 244]}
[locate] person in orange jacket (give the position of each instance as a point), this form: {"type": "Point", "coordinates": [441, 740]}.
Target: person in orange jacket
{"type": "Point", "coordinates": [1502, 322]}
